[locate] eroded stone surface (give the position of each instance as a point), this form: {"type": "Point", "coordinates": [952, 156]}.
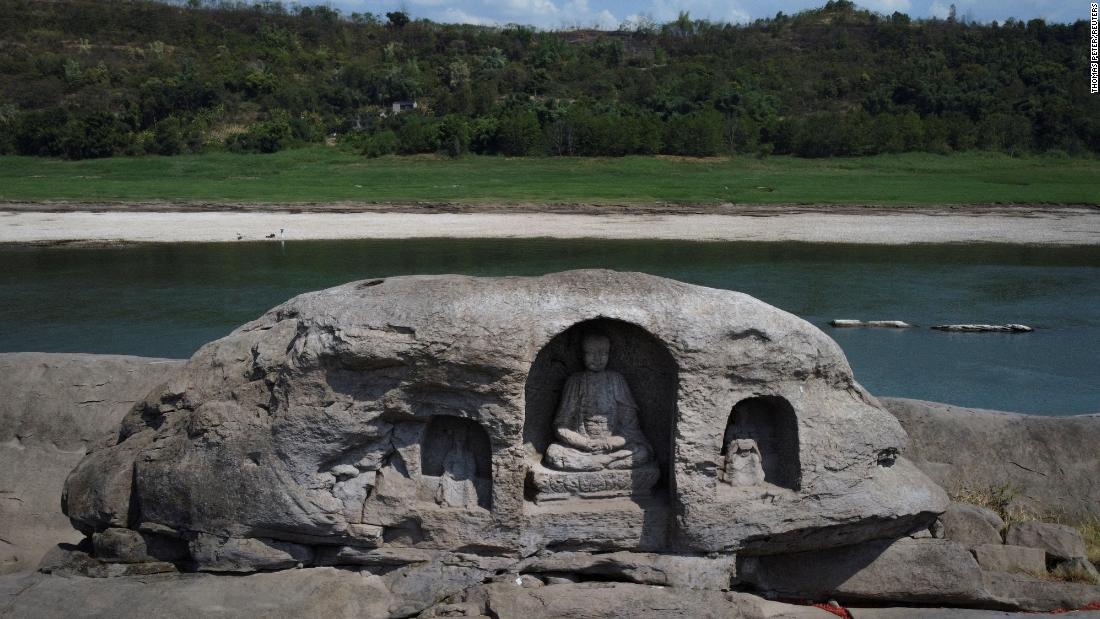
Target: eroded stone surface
{"type": "Point", "coordinates": [971, 525]}
{"type": "Point", "coordinates": [1012, 559]}
{"type": "Point", "coordinates": [1060, 542]}
{"type": "Point", "coordinates": [53, 407]}
{"type": "Point", "coordinates": [320, 425]}
{"type": "Point", "coordinates": [1049, 461]}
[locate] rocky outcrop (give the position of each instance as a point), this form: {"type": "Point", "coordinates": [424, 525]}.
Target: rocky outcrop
{"type": "Point", "coordinates": [53, 407]}
{"type": "Point", "coordinates": [1049, 464]}
{"type": "Point", "coordinates": [409, 413]}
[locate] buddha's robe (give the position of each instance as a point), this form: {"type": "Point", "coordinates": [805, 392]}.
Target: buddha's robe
{"type": "Point", "coordinates": [597, 407]}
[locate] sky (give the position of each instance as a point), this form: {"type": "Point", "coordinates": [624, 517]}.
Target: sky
{"type": "Point", "coordinates": [609, 14]}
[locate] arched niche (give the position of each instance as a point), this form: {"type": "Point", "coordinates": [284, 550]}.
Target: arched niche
{"type": "Point", "coordinates": [644, 362]}
{"type": "Point", "coordinates": [456, 463]}
{"type": "Point", "coordinates": [762, 431]}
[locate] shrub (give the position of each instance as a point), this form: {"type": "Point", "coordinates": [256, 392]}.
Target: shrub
{"type": "Point", "coordinates": [417, 134]}
{"type": "Point", "coordinates": [269, 136]}
{"type": "Point", "coordinates": [519, 133]}
{"type": "Point", "coordinates": [93, 136]}
{"type": "Point", "coordinates": [381, 143]}
{"type": "Point", "coordinates": [455, 135]}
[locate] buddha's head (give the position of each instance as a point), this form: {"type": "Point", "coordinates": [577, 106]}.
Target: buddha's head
{"type": "Point", "coordinates": [596, 348]}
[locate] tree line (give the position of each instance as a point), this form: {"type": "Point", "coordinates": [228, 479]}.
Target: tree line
{"type": "Point", "coordinates": [87, 78]}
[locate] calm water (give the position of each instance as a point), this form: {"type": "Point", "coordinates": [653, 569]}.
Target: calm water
{"type": "Point", "coordinates": [167, 300]}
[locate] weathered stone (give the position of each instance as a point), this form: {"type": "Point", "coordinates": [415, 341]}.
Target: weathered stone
{"type": "Point", "coordinates": [950, 613]}
{"type": "Point", "coordinates": [215, 554]}
{"type": "Point", "coordinates": [1021, 592]}
{"type": "Point", "coordinates": [1048, 461]}
{"type": "Point", "coordinates": [909, 571]}
{"type": "Point", "coordinates": [1059, 541]}
{"type": "Point", "coordinates": [885, 324]}
{"type": "Point", "coordinates": [979, 328]}
{"type": "Point", "coordinates": [129, 546]}
{"type": "Point", "coordinates": [316, 592]}
{"type": "Point", "coordinates": [55, 407]}
{"type": "Point", "coordinates": [1081, 568]}
{"type": "Point", "coordinates": [1016, 559]}
{"type": "Point", "coordinates": [69, 560]}
{"type": "Point", "coordinates": [409, 412]}
{"type": "Point", "coordinates": [971, 525]}
{"type": "Point", "coordinates": [614, 600]}
{"type": "Point", "coordinates": [642, 568]}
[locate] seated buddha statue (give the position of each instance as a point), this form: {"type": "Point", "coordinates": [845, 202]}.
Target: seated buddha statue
{"type": "Point", "coordinates": [596, 425]}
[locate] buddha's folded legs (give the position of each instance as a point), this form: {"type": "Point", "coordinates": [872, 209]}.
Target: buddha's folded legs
{"type": "Point", "coordinates": [564, 458]}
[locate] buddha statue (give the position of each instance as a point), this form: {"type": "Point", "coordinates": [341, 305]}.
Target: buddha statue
{"type": "Point", "coordinates": [598, 447]}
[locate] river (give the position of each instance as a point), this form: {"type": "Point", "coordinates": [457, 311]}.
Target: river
{"type": "Point", "coordinates": [168, 299]}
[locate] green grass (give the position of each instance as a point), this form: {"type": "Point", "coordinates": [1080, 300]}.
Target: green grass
{"type": "Point", "coordinates": [320, 174]}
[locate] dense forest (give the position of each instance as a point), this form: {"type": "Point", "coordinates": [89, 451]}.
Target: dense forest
{"type": "Point", "coordinates": [95, 78]}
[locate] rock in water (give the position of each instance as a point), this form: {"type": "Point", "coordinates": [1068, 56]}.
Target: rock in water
{"type": "Point", "coordinates": [1009, 328]}
{"type": "Point", "coordinates": [882, 324]}
{"type": "Point", "coordinates": [416, 413]}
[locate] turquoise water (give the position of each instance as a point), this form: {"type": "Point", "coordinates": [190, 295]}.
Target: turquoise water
{"type": "Point", "coordinates": [167, 300]}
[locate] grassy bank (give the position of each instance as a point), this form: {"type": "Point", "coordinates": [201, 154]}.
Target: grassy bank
{"type": "Point", "coordinates": [322, 174]}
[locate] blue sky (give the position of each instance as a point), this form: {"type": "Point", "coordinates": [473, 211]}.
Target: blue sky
{"type": "Point", "coordinates": [609, 14]}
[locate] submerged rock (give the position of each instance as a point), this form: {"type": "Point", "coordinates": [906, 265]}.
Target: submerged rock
{"type": "Point", "coordinates": [885, 324]}
{"type": "Point", "coordinates": [975, 328]}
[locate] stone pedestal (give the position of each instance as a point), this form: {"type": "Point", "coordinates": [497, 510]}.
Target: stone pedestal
{"type": "Point", "coordinates": [558, 485]}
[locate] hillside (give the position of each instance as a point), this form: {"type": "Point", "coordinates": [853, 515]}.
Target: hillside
{"type": "Point", "coordinates": [87, 78]}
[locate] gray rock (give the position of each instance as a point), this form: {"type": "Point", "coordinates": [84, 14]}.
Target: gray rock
{"type": "Point", "coordinates": [886, 324]}
{"type": "Point", "coordinates": [950, 613]}
{"type": "Point", "coordinates": [1021, 592]}
{"type": "Point", "coordinates": [978, 328]}
{"type": "Point", "coordinates": [971, 525]}
{"type": "Point", "coordinates": [907, 571]}
{"type": "Point", "coordinates": [642, 568]}
{"type": "Point", "coordinates": [1059, 541]}
{"type": "Point", "coordinates": [1082, 567]}
{"type": "Point", "coordinates": [55, 407]}
{"type": "Point", "coordinates": [1049, 462]}
{"type": "Point", "coordinates": [614, 600]}
{"type": "Point", "coordinates": [129, 546]}
{"type": "Point", "coordinates": [234, 554]}
{"type": "Point", "coordinates": [1013, 559]}
{"type": "Point", "coordinates": [332, 419]}
{"type": "Point", "coordinates": [316, 592]}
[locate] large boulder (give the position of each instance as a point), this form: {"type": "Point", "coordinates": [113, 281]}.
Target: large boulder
{"type": "Point", "coordinates": [971, 525]}
{"type": "Point", "coordinates": [409, 413]}
{"type": "Point", "coordinates": [1049, 462]}
{"type": "Point", "coordinates": [53, 407]}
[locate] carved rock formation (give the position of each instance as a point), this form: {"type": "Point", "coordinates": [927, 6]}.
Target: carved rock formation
{"type": "Point", "coordinates": [407, 413]}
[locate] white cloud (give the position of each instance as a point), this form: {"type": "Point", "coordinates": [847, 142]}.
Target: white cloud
{"type": "Point", "coordinates": [939, 9]}
{"type": "Point", "coordinates": [457, 16]}
{"type": "Point", "coordinates": [886, 6]}
{"type": "Point", "coordinates": [714, 10]}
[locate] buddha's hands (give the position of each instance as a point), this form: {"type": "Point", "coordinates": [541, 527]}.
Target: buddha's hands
{"type": "Point", "coordinates": [615, 442]}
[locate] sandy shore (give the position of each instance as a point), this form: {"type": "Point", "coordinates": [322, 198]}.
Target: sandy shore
{"type": "Point", "coordinates": [1058, 226]}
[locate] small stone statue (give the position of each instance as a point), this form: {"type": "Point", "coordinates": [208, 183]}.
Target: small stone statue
{"type": "Point", "coordinates": [596, 426]}
{"type": "Point", "coordinates": [743, 463]}
{"type": "Point", "coordinates": [456, 486]}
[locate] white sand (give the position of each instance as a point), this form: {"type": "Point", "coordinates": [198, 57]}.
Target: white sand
{"type": "Point", "coordinates": [1050, 226]}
